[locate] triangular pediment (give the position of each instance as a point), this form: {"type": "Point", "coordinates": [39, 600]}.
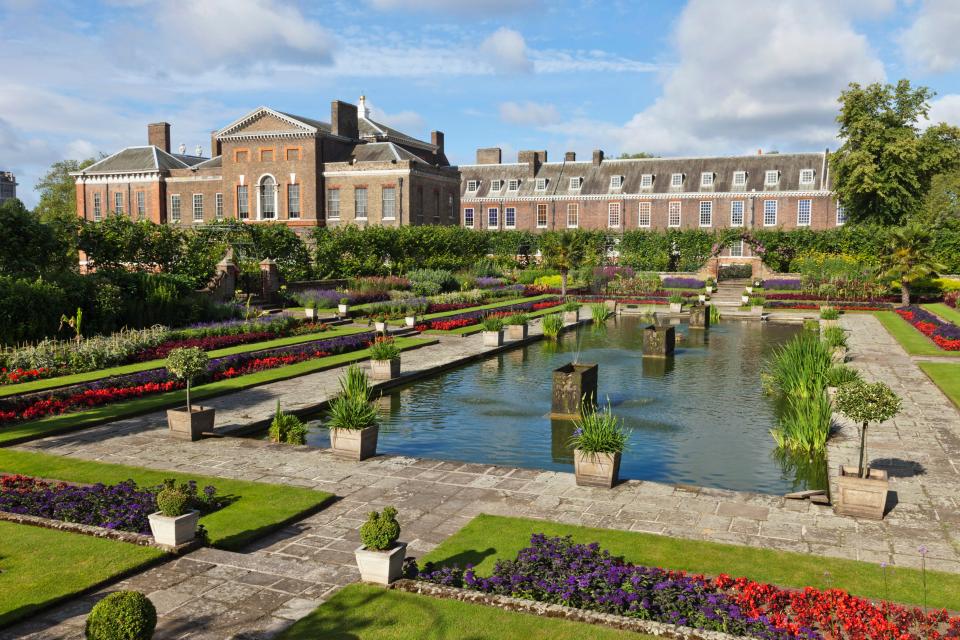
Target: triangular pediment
{"type": "Point", "coordinates": [263, 121]}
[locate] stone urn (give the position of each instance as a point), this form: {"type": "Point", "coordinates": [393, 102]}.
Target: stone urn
{"type": "Point", "coordinates": [659, 342]}
{"type": "Point", "coordinates": [572, 383]}
{"type": "Point", "coordinates": [571, 317]}
{"type": "Point", "coordinates": [190, 425]}
{"type": "Point", "coordinates": [356, 444]}
{"type": "Point", "coordinates": [596, 469]}
{"type": "Point", "coordinates": [861, 497]}
{"type": "Point", "coordinates": [385, 369]}
{"type": "Point", "coordinates": [517, 331]}
{"type": "Point", "coordinates": [493, 338]}
{"type": "Point", "coordinates": [381, 567]}
{"type": "Point", "coordinates": [173, 531]}
{"type": "Point", "coordinates": [343, 310]}
{"type": "Point", "coordinates": [410, 321]}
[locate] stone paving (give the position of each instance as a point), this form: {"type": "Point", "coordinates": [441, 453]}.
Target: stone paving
{"type": "Point", "coordinates": [219, 594]}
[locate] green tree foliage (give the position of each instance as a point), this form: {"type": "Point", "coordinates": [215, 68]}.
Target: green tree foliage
{"type": "Point", "coordinates": [29, 248]}
{"type": "Point", "coordinates": [635, 156]}
{"type": "Point", "coordinates": [942, 204]}
{"type": "Point", "coordinates": [58, 202]}
{"type": "Point", "coordinates": [563, 251]}
{"type": "Point", "coordinates": [907, 260]}
{"type": "Point", "coordinates": [883, 170]}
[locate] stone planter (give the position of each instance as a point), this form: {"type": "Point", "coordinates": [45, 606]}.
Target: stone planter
{"type": "Point", "coordinates": [571, 384]}
{"type": "Point", "coordinates": [676, 307]}
{"type": "Point", "coordinates": [385, 369]}
{"type": "Point", "coordinates": [708, 289]}
{"type": "Point", "coordinates": [380, 327]}
{"type": "Point", "coordinates": [410, 321]}
{"type": "Point", "coordinates": [356, 444]}
{"type": "Point", "coordinates": [756, 310]}
{"type": "Point", "coordinates": [839, 355]}
{"type": "Point", "coordinates": [745, 300]}
{"type": "Point", "coordinates": [748, 289]}
{"type": "Point", "coordinates": [517, 331]}
{"type": "Point", "coordinates": [492, 338]}
{"type": "Point", "coordinates": [596, 469]}
{"type": "Point", "coordinates": [699, 317]}
{"type": "Point", "coordinates": [861, 497]}
{"type": "Point", "coordinates": [659, 342]}
{"type": "Point", "coordinates": [381, 567]}
{"type": "Point", "coordinates": [611, 305]}
{"type": "Point", "coordinates": [571, 317]}
{"type": "Point", "coordinates": [702, 297]}
{"type": "Point", "coordinates": [343, 310]}
{"type": "Point", "coordinates": [310, 313]}
{"type": "Point", "coordinates": [190, 425]}
{"type": "Point", "coordinates": [174, 530]}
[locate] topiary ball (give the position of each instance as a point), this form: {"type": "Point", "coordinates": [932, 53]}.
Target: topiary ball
{"type": "Point", "coordinates": [123, 615]}
{"type": "Point", "coordinates": [380, 531]}
{"type": "Point", "coordinates": [173, 502]}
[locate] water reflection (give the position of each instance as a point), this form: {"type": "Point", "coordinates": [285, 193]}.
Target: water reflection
{"type": "Point", "coordinates": [560, 432]}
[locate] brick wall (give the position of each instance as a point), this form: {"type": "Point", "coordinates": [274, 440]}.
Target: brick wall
{"type": "Point", "coordinates": [152, 198]}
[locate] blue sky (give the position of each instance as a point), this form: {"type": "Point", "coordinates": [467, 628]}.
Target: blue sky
{"type": "Point", "coordinates": [667, 77]}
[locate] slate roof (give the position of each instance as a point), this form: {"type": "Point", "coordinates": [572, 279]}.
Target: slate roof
{"type": "Point", "coordinates": [141, 160]}
{"type": "Point", "coordinates": [318, 124]}
{"type": "Point", "coordinates": [373, 130]}
{"type": "Point", "coordinates": [383, 152]}
{"type": "Point", "coordinates": [596, 179]}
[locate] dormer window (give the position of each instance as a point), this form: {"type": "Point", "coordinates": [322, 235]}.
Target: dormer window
{"type": "Point", "coordinates": [541, 184]}
{"type": "Point", "coordinates": [473, 185]}
{"type": "Point", "coordinates": [676, 180]}
{"type": "Point", "coordinates": [771, 178]}
{"type": "Point", "coordinates": [496, 185]}
{"type": "Point", "coordinates": [616, 182]}
{"type": "Point", "coordinates": [513, 185]}
{"type": "Point", "coordinates": [806, 176]}
{"type": "Point", "coordinates": [739, 178]}
{"type": "Point", "coordinates": [576, 183]}
{"type": "Point", "coordinates": [706, 179]}
{"type": "Point", "coordinates": [646, 181]}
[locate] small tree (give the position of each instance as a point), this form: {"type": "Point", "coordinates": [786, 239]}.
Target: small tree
{"type": "Point", "coordinates": [907, 258]}
{"type": "Point", "coordinates": [564, 252]}
{"type": "Point", "coordinates": [187, 364]}
{"type": "Point", "coordinates": [866, 402]}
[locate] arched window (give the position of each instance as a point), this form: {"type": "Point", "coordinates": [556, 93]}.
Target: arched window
{"type": "Point", "coordinates": [268, 198]}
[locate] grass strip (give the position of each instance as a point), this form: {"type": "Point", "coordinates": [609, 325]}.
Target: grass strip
{"type": "Point", "coordinates": [487, 538]}
{"type": "Point", "coordinates": [254, 509]}
{"type": "Point", "coordinates": [946, 313]}
{"type": "Point", "coordinates": [62, 423]}
{"type": "Point", "coordinates": [945, 375]}
{"type": "Point", "coordinates": [137, 367]}
{"type": "Point", "coordinates": [493, 305]}
{"type": "Point", "coordinates": [39, 567]}
{"type": "Point", "coordinates": [366, 612]}
{"type": "Point", "coordinates": [913, 342]}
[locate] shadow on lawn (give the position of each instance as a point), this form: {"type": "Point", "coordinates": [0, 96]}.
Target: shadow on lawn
{"type": "Point", "coordinates": [470, 557]}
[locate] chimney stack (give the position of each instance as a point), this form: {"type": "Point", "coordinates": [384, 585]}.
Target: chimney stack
{"type": "Point", "coordinates": [158, 135]}
{"type": "Point", "coordinates": [343, 119]}
{"type": "Point", "coordinates": [490, 155]}
{"type": "Point", "coordinates": [533, 160]}
{"type": "Point", "coordinates": [215, 149]}
{"type": "Point", "coordinates": [436, 139]}
{"type": "Point", "coordinates": [570, 156]}
{"type": "Point", "coordinates": [597, 157]}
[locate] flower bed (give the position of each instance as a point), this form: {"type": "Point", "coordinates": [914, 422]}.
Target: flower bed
{"type": "Point", "coordinates": [951, 299]}
{"type": "Point", "coordinates": [825, 299]}
{"type": "Point", "coordinates": [843, 306]}
{"type": "Point", "coordinates": [558, 571]}
{"type": "Point", "coordinates": [475, 317]}
{"type": "Point", "coordinates": [673, 282]}
{"type": "Point", "coordinates": [945, 335]}
{"type": "Point", "coordinates": [123, 506]}
{"type": "Point", "coordinates": [18, 375]}
{"type": "Point", "coordinates": [790, 284]}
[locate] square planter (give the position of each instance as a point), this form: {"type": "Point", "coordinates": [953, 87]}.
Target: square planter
{"type": "Point", "coordinates": [596, 469]}
{"type": "Point", "coordinates": [745, 299]}
{"type": "Point", "coordinates": [748, 289]}
{"type": "Point", "coordinates": [517, 331]}
{"type": "Point", "coordinates": [756, 310]}
{"type": "Point", "coordinates": [862, 497]}
{"type": "Point", "coordinates": [173, 530]}
{"type": "Point", "coordinates": [310, 314]}
{"type": "Point", "coordinates": [839, 355]}
{"type": "Point", "coordinates": [380, 327]}
{"type": "Point", "coordinates": [659, 342]}
{"type": "Point", "coordinates": [571, 384]}
{"type": "Point", "coordinates": [708, 289]}
{"type": "Point", "coordinates": [492, 338]}
{"type": "Point", "coordinates": [571, 317]}
{"type": "Point", "coordinates": [381, 567]}
{"type": "Point", "coordinates": [410, 321]}
{"type": "Point", "coordinates": [702, 297]}
{"type": "Point", "coordinates": [676, 307]}
{"type": "Point", "coordinates": [190, 425]}
{"type": "Point", "coordinates": [385, 369]}
{"type": "Point", "coordinates": [343, 310]}
{"type": "Point", "coordinates": [356, 444]}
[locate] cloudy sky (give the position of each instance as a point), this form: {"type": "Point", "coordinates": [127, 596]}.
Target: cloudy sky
{"type": "Point", "coordinates": [705, 77]}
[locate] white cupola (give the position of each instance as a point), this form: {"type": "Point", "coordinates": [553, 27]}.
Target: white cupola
{"type": "Point", "coordinates": [362, 110]}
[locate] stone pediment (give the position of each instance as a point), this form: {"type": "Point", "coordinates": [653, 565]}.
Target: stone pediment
{"type": "Point", "coordinates": [265, 121]}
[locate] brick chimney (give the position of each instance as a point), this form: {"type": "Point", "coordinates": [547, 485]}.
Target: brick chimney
{"type": "Point", "coordinates": [533, 160]}
{"type": "Point", "coordinates": [570, 156]}
{"type": "Point", "coordinates": [343, 119]}
{"type": "Point", "coordinates": [436, 139]}
{"type": "Point", "coordinates": [215, 149]}
{"type": "Point", "coordinates": [158, 134]}
{"type": "Point", "coordinates": [490, 155]}
{"type": "Point", "coordinates": [597, 157]}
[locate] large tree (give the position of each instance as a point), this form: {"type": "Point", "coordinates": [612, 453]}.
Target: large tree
{"type": "Point", "coordinates": [29, 248]}
{"type": "Point", "coordinates": [57, 206]}
{"type": "Point", "coordinates": [883, 170]}
{"type": "Point", "coordinates": [907, 258]}
{"type": "Point", "coordinates": [942, 203]}
{"type": "Point", "coordinates": [563, 251]}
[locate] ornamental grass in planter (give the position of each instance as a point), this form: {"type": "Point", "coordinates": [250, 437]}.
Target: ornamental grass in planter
{"type": "Point", "coordinates": [190, 423]}
{"type": "Point", "coordinates": [517, 326]}
{"type": "Point", "coordinates": [286, 428]}
{"type": "Point", "coordinates": [492, 331]}
{"type": "Point", "coordinates": [384, 359]}
{"type": "Point", "coordinates": [353, 417]}
{"type": "Point", "coordinates": [597, 443]}
{"type": "Point", "coordinates": [122, 615]}
{"type": "Point", "coordinates": [599, 312]}
{"type": "Point", "coordinates": [862, 490]}
{"type": "Point", "coordinates": [380, 559]}
{"type": "Point", "coordinates": [571, 312]}
{"type": "Point", "coordinates": [552, 325]}
{"type": "Point", "coordinates": [676, 302]}
{"type": "Point", "coordinates": [176, 522]}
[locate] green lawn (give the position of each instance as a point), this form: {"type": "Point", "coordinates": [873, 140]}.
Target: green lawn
{"type": "Point", "coordinates": [945, 375]}
{"type": "Point", "coordinates": [255, 508]}
{"type": "Point", "coordinates": [80, 419]}
{"type": "Point", "coordinates": [77, 378]}
{"type": "Point", "coordinates": [487, 538]}
{"type": "Point", "coordinates": [366, 612]}
{"type": "Point", "coordinates": [913, 342]}
{"type": "Point", "coordinates": [40, 566]}
{"type": "Point", "coordinates": [946, 313]}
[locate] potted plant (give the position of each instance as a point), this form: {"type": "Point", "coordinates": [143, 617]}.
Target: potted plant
{"type": "Point", "coordinates": [862, 490]}
{"type": "Point", "coordinates": [353, 417]}
{"type": "Point", "coordinates": [598, 442]}
{"type": "Point", "coordinates": [748, 289]}
{"type": "Point", "coordinates": [571, 312]}
{"type": "Point", "coordinates": [517, 326]}
{"type": "Point", "coordinates": [702, 297]}
{"type": "Point", "coordinates": [187, 364]}
{"type": "Point", "coordinates": [676, 302]}
{"type": "Point", "coordinates": [410, 320]}
{"type": "Point", "coordinates": [286, 428]}
{"type": "Point", "coordinates": [380, 323]}
{"type": "Point", "coordinates": [744, 300]}
{"type": "Point", "coordinates": [384, 359]}
{"type": "Point", "coordinates": [311, 310]}
{"type": "Point", "coordinates": [836, 339]}
{"type": "Point", "coordinates": [380, 559]}
{"type": "Point", "coordinates": [492, 331]}
{"type": "Point", "coordinates": [709, 285]}
{"type": "Point", "coordinates": [343, 309]}
{"type": "Point", "coordinates": [175, 523]}
{"type": "Point", "coordinates": [829, 316]}
{"type": "Point", "coordinates": [756, 305]}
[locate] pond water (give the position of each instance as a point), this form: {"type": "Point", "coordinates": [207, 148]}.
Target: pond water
{"type": "Point", "coordinates": [697, 418]}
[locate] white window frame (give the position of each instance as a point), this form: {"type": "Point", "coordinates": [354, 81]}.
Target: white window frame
{"type": "Point", "coordinates": [546, 215]}
{"type": "Point", "coordinates": [575, 183]}
{"type": "Point", "coordinates": [739, 251]}
{"type": "Point", "coordinates": [333, 213]}
{"type": "Point", "coordinates": [197, 207]}
{"type": "Point", "coordinates": [97, 208]}
{"type": "Point", "coordinates": [646, 181]}
{"type": "Point", "coordinates": [707, 179]}
{"type": "Point", "coordinates": [809, 172]}
{"type": "Point", "coordinates": [507, 212]}
{"type": "Point", "coordinates": [616, 182]}
{"type": "Point", "coordinates": [141, 205]}
{"type": "Point", "coordinates": [493, 217]}
{"type": "Point", "coordinates": [809, 207]}
{"type": "Point", "coordinates": [767, 182]}
{"type": "Point", "coordinates": [260, 199]}
{"type": "Point", "coordinates": [541, 184]}
{"type": "Point", "coordinates": [291, 214]}
{"type": "Point", "coordinates": [678, 205]}
{"type": "Point", "coordinates": [241, 214]}
{"type": "Point", "coordinates": [117, 202]}
{"type": "Point", "coordinates": [614, 214]}
{"type": "Point", "coordinates": [356, 203]}
{"type": "Point", "coordinates": [733, 212]}
{"type": "Point", "coordinates": [645, 212]}
{"type": "Point", "coordinates": [770, 206]}
{"type": "Point", "coordinates": [175, 211]}
{"type": "Point", "coordinates": [574, 208]}
{"type": "Point", "coordinates": [676, 180]}
{"type": "Point", "coordinates": [513, 184]}
{"type": "Point", "coordinates": [392, 215]}
{"type": "Point", "coordinates": [706, 207]}
{"type": "Point", "coordinates": [496, 185]}
{"type": "Point", "coordinates": [473, 185]}
{"type": "Point", "coordinates": [468, 220]}
{"type": "Point", "coordinates": [841, 215]}
{"type": "Point", "coordinates": [218, 211]}
{"type": "Point", "coordinates": [740, 178]}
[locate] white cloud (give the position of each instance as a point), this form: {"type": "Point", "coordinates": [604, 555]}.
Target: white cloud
{"type": "Point", "coordinates": [529, 113]}
{"type": "Point", "coordinates": [407, 121]}
{"type": "Point", "coordinates": [931, 41]}
{"type": "Point", "coordinates": [456, 6]}
{"type": "Point", "coordinates": [506, 50]}
{"type": "Point", "coordinates": [945, 109]}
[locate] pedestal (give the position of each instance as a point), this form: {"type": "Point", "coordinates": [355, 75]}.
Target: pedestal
{"type": "Point", "coordinates": [572, 383]}
{"type": "Point", "coordinates": [658, 342]}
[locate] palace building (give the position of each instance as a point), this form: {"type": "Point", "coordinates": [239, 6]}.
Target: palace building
{"type": "Point", "coordinates": [274, 166]}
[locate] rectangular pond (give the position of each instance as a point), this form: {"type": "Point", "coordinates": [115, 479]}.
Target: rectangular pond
{"type": "Point", "coordinates": [698, 418]}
